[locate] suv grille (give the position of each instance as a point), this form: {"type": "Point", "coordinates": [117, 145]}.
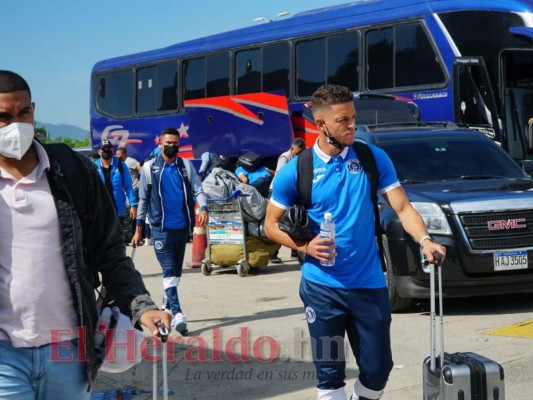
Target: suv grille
{"type": "Point", "coordinates": [502, 230]}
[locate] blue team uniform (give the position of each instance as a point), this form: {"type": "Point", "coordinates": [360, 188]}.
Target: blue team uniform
{"type": "Point", "coordinates": [351, 295]}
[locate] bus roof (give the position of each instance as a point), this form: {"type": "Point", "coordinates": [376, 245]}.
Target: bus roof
{"type": "Point", "coordinates": [357, 13]}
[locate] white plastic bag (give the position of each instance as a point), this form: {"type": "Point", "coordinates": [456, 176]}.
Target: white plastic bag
{"type": "Point", "coordinates": [117, 342]}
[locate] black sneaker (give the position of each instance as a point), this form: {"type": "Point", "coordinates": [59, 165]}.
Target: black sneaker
{"type": "Point", "coordinates": [276, 260]}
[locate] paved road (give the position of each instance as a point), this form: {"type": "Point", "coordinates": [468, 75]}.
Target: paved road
{"type": "Point", "coordinates": [247, 338]}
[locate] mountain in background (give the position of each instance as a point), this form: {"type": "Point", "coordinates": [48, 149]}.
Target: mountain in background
{"type": "Point", "coordinates": [63, 130]}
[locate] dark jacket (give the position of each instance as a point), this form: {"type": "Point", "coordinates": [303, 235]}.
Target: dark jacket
{"type": "Point", "coordinates": [93, 242]}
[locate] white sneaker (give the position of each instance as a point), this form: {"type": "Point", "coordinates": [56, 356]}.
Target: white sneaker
{"type": "Point", "coordinates": [179, 323]}
{"type": "Point", "coordinates": [148, 242]}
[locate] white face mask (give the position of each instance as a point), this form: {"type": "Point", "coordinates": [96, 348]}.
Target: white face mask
{"type": "Point", "coordinates": [16, 139]}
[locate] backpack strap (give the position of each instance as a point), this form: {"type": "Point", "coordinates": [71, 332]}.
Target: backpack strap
{"type": "Point", "coordinates": [121, 169]}
{"type": "Point", "coordinates": [187, 168]}
{"type": "Point", "coordinates": [368, 162]}
{"type": "Point", "coordinates": [304, 178]}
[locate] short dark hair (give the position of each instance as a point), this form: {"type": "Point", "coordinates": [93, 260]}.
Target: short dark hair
{"type": "Point", "coordinates": [329, 95]}
{"type": "Point", "coordinates": [12, 82]}
{"type": "Point", "coordinates": [298, 142]}
{"type": "Point", "coordinates": [170, 131]}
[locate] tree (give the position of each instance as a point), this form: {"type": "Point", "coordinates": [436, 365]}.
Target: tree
{"type": "Point", "coordinates": [41, 133]}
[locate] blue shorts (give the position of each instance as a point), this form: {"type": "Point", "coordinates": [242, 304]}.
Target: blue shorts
{"type": "Point", "coordinates": [364, 314]}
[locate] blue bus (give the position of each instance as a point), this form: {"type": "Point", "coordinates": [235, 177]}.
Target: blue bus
{"type": "Point", "coordinates": [466, 61]}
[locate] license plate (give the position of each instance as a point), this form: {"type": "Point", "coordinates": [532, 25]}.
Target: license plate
{"type": "Point", "coordinates": [510, 261]}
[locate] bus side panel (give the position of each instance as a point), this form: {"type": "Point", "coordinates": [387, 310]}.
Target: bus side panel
{"type": "Point", "coordinates": [140, 135]}
{"type": "Point", "coordinates": [232, 125]}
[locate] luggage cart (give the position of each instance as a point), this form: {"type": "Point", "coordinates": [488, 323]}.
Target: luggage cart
{"type": "Point", "coordinates": [226, 233]}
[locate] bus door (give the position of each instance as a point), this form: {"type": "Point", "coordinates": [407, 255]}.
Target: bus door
{"type": "Point", "coordinates": [516, 91]}
{"type": "Point", "coordinates": [474, 105]}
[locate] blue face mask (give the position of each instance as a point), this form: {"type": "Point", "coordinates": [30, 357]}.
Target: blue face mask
{"type": "Point", "coordinates": [16, 139]}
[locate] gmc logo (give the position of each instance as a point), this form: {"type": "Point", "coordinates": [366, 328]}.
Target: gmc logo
{"type": "Point", "coordinates": [518, 223]}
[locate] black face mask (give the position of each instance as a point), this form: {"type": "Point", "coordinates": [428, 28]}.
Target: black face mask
{"type": "Point", "coordinates": [107, 155]}
{"type": "Point", "coordinates": [332, 141]}
{"type": "Point", "coordinates": [170, 150]}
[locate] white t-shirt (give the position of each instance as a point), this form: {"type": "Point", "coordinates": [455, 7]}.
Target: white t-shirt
{"type": "Point", "coordinates": [133, 166]}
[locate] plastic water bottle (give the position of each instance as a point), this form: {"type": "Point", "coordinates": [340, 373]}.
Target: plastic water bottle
{"type": "Point", "coordinates": [327, 230]}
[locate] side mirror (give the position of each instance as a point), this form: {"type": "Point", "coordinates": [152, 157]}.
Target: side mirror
{"type": "Point", "coordinates": [527, 166]}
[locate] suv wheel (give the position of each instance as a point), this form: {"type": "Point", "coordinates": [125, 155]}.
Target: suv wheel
{"type": "Point", "coordinates": [397, 303]}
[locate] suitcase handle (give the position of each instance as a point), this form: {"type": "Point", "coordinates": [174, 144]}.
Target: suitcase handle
{"type": "Point", "coordinates": [433, 350]}
{"type": "Point", "coordinates": [163, 333]}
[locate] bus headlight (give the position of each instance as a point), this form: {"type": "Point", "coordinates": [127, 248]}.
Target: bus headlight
{"type": "Point", "coordinates": [434, 218]}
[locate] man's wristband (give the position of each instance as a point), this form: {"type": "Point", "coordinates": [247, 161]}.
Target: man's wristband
{"type": "Point", "coordinates": [204, 208]}
{"type": "Point", "coordinates": [424, 238]}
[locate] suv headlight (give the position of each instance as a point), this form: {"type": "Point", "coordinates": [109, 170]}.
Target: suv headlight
{"type": "Point", "coordinates": [434, 218]}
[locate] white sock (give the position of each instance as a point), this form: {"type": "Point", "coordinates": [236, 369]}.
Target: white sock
{"type": "Point", "coordinates": [360, 391]}
{"type": "Point", "coordinates": [336, 394]}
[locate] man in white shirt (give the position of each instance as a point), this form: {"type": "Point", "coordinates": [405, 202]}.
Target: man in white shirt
{"type": "Point", "coordinates": [52, 251]}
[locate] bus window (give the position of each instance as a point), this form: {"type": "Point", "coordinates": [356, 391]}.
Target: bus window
{"type": "Point", "coordinates": [276, 67]}
{"type": "Point", "coordinates": [517, 86]}
{"type": "Point", "coordinates": [167, 86]}
{"type": "Point", "coordinates": [380, 59]}
{"type": "Point", "coordinates": [331, 60]}
{"type": "Point", "coordinates": [157, 88]}
{"type": "Point", "coordinates": [217, 75]}
{"type": "Point", "coordinates": [416, 62]}
{"type": "Point", "coordinates": [248, 71]}
{"type": "Point", "coordinates": [402, 57]}
{"type": "Point", "coordinates": [115, 93]}
{"type": "Point", "coordinates": [343, 60]}
{"type": "Point", "coordinates": [489, 38]}
{"type": "Point", "coordinates": [310, 66]}
{"type": "Point", "coordinates": [146, 90]}
{"type": "Point", "coordinates": [262, 69]}
{"type": "Point", "coordinates": [194, 79]}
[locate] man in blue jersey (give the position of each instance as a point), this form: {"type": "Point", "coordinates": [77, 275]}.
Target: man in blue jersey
{"type": "Point", "coordinates": [117, 180]}
{"type": "Point", "coordinates": [168, 190]}
{"type": "Point", "coordinates": [349, 297]}
{"type": "Point", "coordinates": [259, 178]}
{"type": "Point", "coordinates": [209, 161]}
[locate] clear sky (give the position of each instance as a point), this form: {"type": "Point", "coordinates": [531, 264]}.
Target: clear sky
{"type": "Point", "coordinates": [54, 44]}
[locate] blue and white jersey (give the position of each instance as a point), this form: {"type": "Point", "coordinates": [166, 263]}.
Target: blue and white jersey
{"type": "Point", "coordinates": [341, 187]}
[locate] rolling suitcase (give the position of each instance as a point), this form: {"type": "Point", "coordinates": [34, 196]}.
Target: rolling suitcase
{"type": "Point", "coordinates": [464, 375]}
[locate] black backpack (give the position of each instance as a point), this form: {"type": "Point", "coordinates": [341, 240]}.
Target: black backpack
{"type": "Point", "coordinates": [365, 156]}
{"type": "Point", "coordinates": [251, 161]}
